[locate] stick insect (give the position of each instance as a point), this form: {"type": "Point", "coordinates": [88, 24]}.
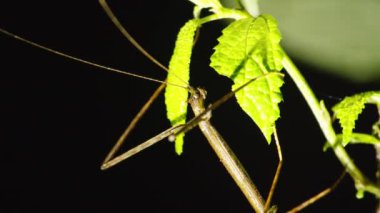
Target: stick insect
{"type": "Point", "coordinates": [223, 151]}
{"type": "Point", "coordinates": [197, 96]}
{"type": "Point", "coordinates": [201, 118]}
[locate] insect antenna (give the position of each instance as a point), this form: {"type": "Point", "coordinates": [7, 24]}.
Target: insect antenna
{"type": "Point", "coordinates": [133, 41]}
{"type": "Point", "coordinates": [111, 69]}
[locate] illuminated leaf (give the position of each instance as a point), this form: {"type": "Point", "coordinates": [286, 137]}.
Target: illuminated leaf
{"type": "Point", "coordinates": [348, 110]}
{"type": "Point", "coordinates": [179, 69]}
{"type": "Point", "coordinates": [247, 49]}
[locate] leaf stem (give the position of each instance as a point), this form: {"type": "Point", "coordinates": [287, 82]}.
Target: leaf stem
{"type": "Point", "coordinates": [324, 121]}
{"type": "Point", "coordinates": [224, 13]}
{"type": "Point", "coordinates": [376, 133]}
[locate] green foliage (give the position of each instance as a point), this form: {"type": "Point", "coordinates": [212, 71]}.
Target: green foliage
{"type": "Point", "coordinates": [241, 58]}
{"type": "Point", "coordinates": [348, 110]}
{"type": "Point", "coordinates": [249, 48]}
{"type": "Point", "coordinates": [179, 74]}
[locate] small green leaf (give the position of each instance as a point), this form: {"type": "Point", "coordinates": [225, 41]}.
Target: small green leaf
{"type": "Point", "coordinates": [360, 193]}
{"type": "Point", "coordinates": [348, 110]}
{"type": "Point", "coordinates": [179, 74]}
{"type": "Point", "coordinates": [247, 49]}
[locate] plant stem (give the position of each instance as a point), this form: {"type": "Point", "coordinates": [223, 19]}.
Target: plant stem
{"type": "Point", "coordinates": [377, 150]}
{"type": "Point", "coordinates": [224, 13]}
{"type": "Point", "coordinates": [376, 133]}
{"type": "Point", "coordinates": [324, 121]}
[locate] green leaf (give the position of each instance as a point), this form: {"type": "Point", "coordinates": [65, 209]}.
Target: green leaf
{"type": "Point", "coordinates": [247, 49]}
{"type": "Point", "coordinates": [207, 3]}
{"type": "Point", "coordinates": [179, 74]}
{"type": "Point", "coordinates": [348, 110]}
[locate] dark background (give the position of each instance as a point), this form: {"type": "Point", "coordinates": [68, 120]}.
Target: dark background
{"type": "Point", "coordinates": [60, 118]}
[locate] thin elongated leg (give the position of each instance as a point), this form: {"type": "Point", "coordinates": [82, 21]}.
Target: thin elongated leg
{"type": "Point", "coordinates": [278, 171]}
{"type": "Point", "coordinates": [142, 146]}
{"type": "Point", "coordinates": [109, 161]}
{"type": "Point", "coordinates": [194, 121]}
{"type": "Point", "coordinates": [320, 195]}
{"type": "Point", "coordinates": [132, 125]}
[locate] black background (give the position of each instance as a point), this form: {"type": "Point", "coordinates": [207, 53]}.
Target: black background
{"type": "Point", "coordinates": [60, 118]}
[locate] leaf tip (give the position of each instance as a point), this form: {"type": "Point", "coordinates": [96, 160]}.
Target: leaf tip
{"type": "Point", "coordinates": [178, 144]}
